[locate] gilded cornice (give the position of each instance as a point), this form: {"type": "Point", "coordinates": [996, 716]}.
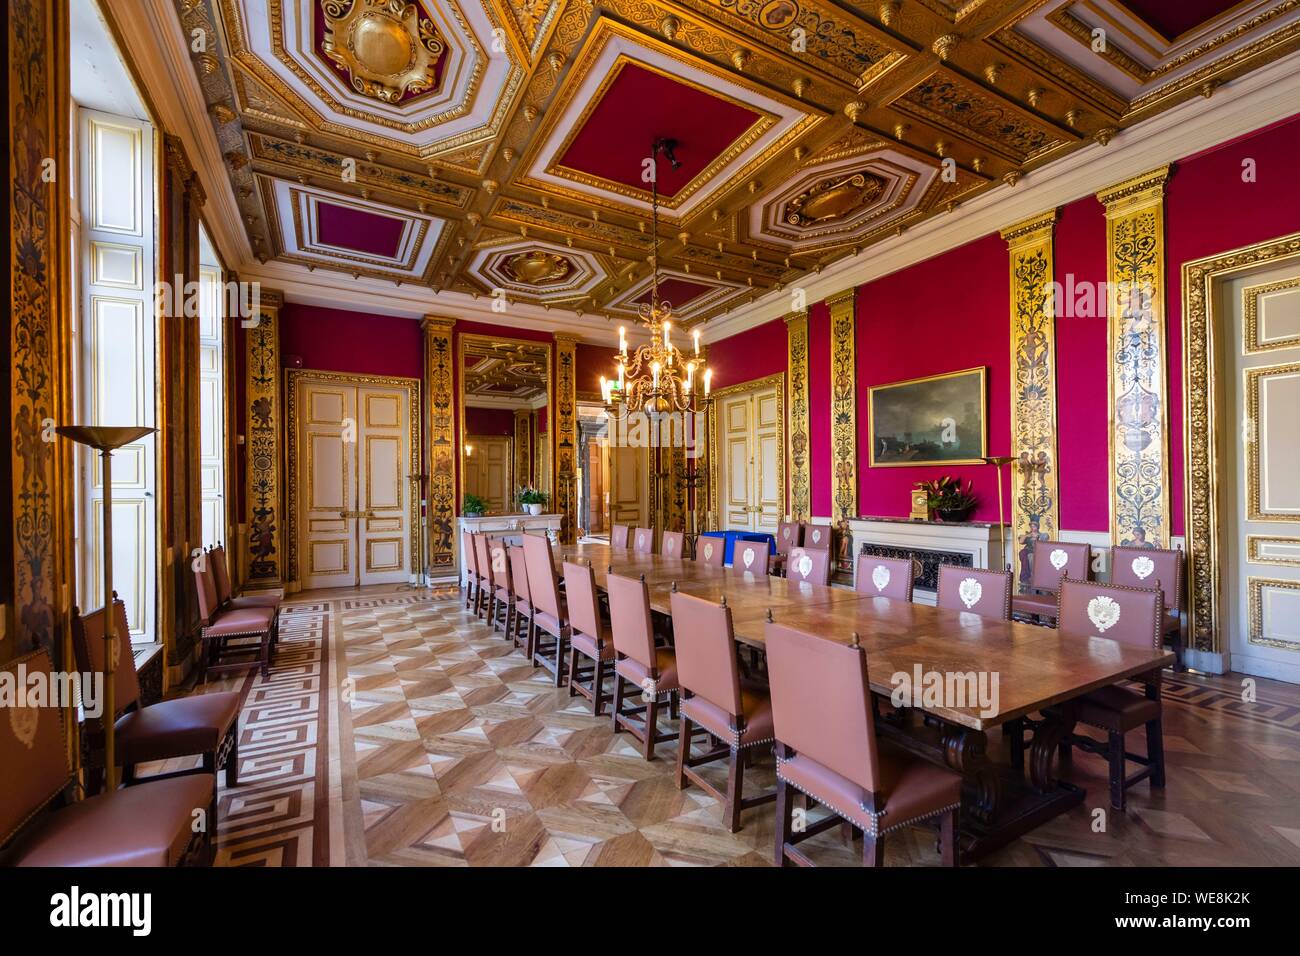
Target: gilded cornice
{"type": "Point", "coordinates": [1135, 193]}
{"type": "Point", "coordinates": [1028, 231]}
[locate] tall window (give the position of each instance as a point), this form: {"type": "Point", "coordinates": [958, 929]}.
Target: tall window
{"type": "Point", "coordinates": [212, 394]}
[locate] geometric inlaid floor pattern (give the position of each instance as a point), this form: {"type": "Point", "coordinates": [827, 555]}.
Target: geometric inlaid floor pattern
{"type": "Point", "coordinates": [437, 744]}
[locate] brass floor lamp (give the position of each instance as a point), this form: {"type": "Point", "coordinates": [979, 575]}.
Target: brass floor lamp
{"type": "Point", "coordinates": [106, 439]}
{"type": "Point", "coordinates": [997, 462]}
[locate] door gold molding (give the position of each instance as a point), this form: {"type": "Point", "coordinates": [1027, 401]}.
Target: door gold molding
{"type": "Point", "coordinates": [776, 382]}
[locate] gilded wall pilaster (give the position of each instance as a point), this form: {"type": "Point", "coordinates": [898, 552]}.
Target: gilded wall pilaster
{"type": "Point", "coordinates": [523, 449]}
{"type": "Point", "coordinates": [796, 325]}
{"type": "Point", "coordinates": [1138, 434]}
{"type": "Point", "coordinates": [1034, 505]}
{"type": "Point", "coordinates": [264, 427]}
{"type": "Point", "coordinates": [440, 429]}
{"type": "Point", "coordinates": [564, 429]}
{"type": "Point", "coordinates": [844, 413]}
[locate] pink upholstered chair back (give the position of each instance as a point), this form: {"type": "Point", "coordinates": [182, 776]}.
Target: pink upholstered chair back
{"type": "Point", "coordinates": [206, 588]}
{"type": "Point", "coordinates": [643, 541]}
{"type": "Point", "coordinates": [977, 590]}
{"type": "Point", "coordinates": [629, 619]}
{"type": "Point", "coordinates": [671, 545]}
{"type": "Point", "coordinates": [519, 574]}
{"type": "Point", "coordinates": [750, 556]}
{"type": "Point", "coordinates": [710, 551]}
{"type": "Point", "coordinates": [618, 536]}
{"type": "Point", "coordinates": [88, 649]}
{"type": "Point", "coordinates": [471, 559]}
{"type": "Point", "coordinates": [821, 702]}
{"type": "Point", "coordinates": [580, 596]}
{"type": "Point", "coordinates": [499, 561]}
{"type": "Point", "coordinates": [706, 651]}
{"type": "Point", "coordinates": [884, 577]}
{"type": "Point", "coordinates": [220, 573]}
{"type": "Point", "coordinates": [1054, 560]}
{"type": "Point", "coordinates": [33, 750]}
{"type": "Point", "coordinates": [543, 589]}
{"type": "Point", "coordinates": [1128, 615]}
{"type": "Point", "coordinates": [482, 561]}
{"type": "Point", "coordinates": [808, 564]}
{"type": "Point", "coordinates": [1149, 568]}
{"type": "Point", "coordinates": [816, 537]}
{"type": "Point", "coordinates": [789, 534]}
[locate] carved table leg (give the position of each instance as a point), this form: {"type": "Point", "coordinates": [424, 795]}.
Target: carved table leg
{"type": "Point", "coordinates": [1056, 726]}
{"type": "Point", "coordinates": [966, 751]}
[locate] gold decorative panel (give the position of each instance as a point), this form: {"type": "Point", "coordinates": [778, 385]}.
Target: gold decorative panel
{"type": "Point", "coordinates": [1262, 628]}
{"type": "Point", "coordinates": [1273, 549]}
{"type": "Point", "coordinates": [796, 326]}
{"type": "Point", "coordinates": [844, 407]}
{"type": "Point", "coordinates": [566, 436]}
{"type": "Point", "coordinates": [388, 49]}
{"type": "Point", "coordinates": [1034, 505]}
{"type": "Point", "coordinates": [1272, 478]}
{"type": "Point", "coordinates": [523, 447]}
{"type": "Point", "coordinates": [440, 460]}
{"type": "Point", "coordinates": [1139, 456]}
{"type": "Point", "coordinates": [265, 425]}
{"type": "Point", "coordinates": [1257, 305]}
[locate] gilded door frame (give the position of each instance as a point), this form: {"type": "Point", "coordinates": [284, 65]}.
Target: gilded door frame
{"type": "Point", "coordinates": [1205, 433]}
{"type": "Point", "coordinates": [776, 381]}
{"type": "Point", "coordinates": [465, 337]}
{"type": "Point", "coordinates": [292, 378]}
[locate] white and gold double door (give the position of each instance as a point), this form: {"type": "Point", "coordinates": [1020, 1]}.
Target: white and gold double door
{"type": "Point", "coordinates": [354, 489]}
{"type": "Point", "coordinates": [751, 446]}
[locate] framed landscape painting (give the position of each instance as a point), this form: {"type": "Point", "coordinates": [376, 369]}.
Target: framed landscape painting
{"type": "Point", "coordinates": [939, 420]}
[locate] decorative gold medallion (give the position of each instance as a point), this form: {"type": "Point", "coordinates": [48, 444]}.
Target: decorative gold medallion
{"type": "Point", "coordinates": [538, 267]}
{"type": "Point", "coordinates": [387, 48]}
{"type": "Point", "coordinates": [833, 198]}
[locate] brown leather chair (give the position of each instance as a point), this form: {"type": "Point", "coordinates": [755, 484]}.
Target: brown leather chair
{"type": "Point", "coordinates": [827, 749]}
{"type": "Point", "coordinates": [503, 585]}
{"type": "Point", "coordinates": [643, 541]}
{"type": "Point", "coordinates": [271, 597]}
{"type": "Point", "coordinates": [710, 551]}
{"type": "Point", "coordinates": [1155, 567]}
{"type": "Point", "coordinates": [651, 668]}
{"type": "Point", "coordinates": [523, 604]}
{"type": "Point", "coordinates": [672, 544]}
{"type": "Point", "coordinates": [751, 557]}
{"type": "Point", "coordinates": [151, 824]}
{"type": "Point", "coordinates": [471, 570]}
{"type": "Point", "coordinates": [486, 605]}
{"type": "Point", "coordinates": [223, 632]}
{"type": "Point", "coordinates": [1131, 616]}
{"type": "Point", "coordinates": [884, 577]}
{"type": "Point", "coordinates": [550, 614]}
{"type": "Point", "coordinates": [739, 714]}
{"type": "Point", "coordinates": [204, 725]}
{"type": "Point", "coordinates": [816, 537]}
{"type": "Point", "coordinates": [618, 536]}
{"type": "Point", "coordinates": [789, 534]}
{"type": "Point", "coordinates": [1052, 561]}
{"type": "Point", "coordinates": [809, 564]}
{"type": "Point", "coordinates": [975, 590]}
{"type": "Point", "coordinates": [589, 636]}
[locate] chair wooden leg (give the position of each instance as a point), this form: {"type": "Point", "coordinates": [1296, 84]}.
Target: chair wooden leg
{"type": "Point", "coordinates": [618, 702]}
{"type": "Point", "coordinates": [1156, 752]}
{"type": "Point", "coordinates": [651, 728]}
{"type": "Point", "coordinates": [873, 850]}
{"type": "Point", "coordinates": [784, 820]}
{"type": "Point", "coordinates": [1115, 754]}
{"type": "Point", "coordinates": [683, 750]}
{"type": "Point", "coordinates": [948, 835]}
{"type": "Point", "coordinates": [266, 655]}
{"type": "Point", "coordinates": [232, 758]}
{"type": "Point", "coordinates": [597, 684]}
{"type": "Point", "coordinates": [530, 642]}
{"type": "Point", "coordinates": [573, 670]}
{"type": "Point", "coordinates": [559, 660]}
{"type": "Point", "coordinates": [735, 788]}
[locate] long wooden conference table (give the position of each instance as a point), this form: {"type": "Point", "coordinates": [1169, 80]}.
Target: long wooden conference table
{"type": "Point", "coordinates": [1036, 668]}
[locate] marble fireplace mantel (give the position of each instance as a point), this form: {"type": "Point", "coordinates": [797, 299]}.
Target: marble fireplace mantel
{"type": "Point", "coordinates": [966, 543]}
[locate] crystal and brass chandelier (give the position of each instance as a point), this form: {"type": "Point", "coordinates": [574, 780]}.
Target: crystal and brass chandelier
{"type": "Point", "coordinates": [659, 377]}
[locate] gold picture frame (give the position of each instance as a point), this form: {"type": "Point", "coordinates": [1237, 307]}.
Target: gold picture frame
{"type": "Point", "coordinates": [978, 374]}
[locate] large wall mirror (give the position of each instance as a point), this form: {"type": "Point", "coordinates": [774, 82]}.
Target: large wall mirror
{"type": "Point", "coordinates": [506, 421]}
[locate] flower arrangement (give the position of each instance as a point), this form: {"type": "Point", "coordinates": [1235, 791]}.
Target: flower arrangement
{"type": "Point", "coordinates": [949, 499]}
{"type": "Point", "coordinates": [532, 500]}
{"type": "Point", "coordinates": [473, 506]}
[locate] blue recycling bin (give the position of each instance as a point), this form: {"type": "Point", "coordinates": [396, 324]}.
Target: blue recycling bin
{"type": "Point", "coordinates": [731, 537]}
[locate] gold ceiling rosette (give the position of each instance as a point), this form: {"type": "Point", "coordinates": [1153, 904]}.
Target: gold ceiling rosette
{"type": "Point", "coordinates": [538, 267]}
{"type": "Point", "coordinates": [834, 198]}
{"type": "Point", "coordinates": [388, 49]}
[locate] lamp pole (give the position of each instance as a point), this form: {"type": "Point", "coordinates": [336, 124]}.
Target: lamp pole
{"type": "Point", "coordinates": [997, 462]}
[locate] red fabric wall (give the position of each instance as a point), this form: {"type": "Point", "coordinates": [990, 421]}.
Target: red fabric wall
{"type": "Point", "coordinates": [490, 421]}
{"type": "Point", "coordinates": [941, 315]}
{"type": "Point", "coordinates": [819, 409]}
{"type": "Point", "coordinates": [590, 363]}
{"type": "Point", "coordinates": [336, 340]}
{"type": "Point", "coordinates": [754, 353]}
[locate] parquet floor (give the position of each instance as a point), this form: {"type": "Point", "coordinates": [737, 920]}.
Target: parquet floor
{"type": "Point", "coordinates": [417, 737]}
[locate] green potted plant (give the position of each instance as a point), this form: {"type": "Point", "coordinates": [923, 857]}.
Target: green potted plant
{"type": "Point", "coordinates": [949, 500]}
{"type": "Point", "coordinates": [532, 500]}
{"type": "Point", "coordinates": [473, 506]}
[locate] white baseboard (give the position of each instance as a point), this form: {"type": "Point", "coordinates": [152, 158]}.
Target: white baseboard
{"type": "Point", "coordinates": [1207, 661]}
{"type": "Point", "coordinates": [1258, 667]}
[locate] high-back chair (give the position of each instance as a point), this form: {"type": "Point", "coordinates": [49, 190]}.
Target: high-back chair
{"type": "Point", "coordinates": [471, 569]}
{"type": "Point", "coordinates": [550, 614]}
{"type": "Point", "coordinates": [1052, 561]}
{"type": "Point", "coordinates": [523, 602]}
{"type": "Point", "coordinates": [486, 604]}
{"type": "Point", "coordinates": [789, 534]}
{"type": "Point", "coordinates": [652, 669]}
{"type": "Point", "coordinates": [643, 541]}
{"type": "Point", "coordinates": [672, 543]}
{"type": "Point", "coordinates": [147, 825]}
{"type": "Point", "coordinates": [750, 557]}
{"type": "Point", "coordinates": [713, 697]}
{"type": "Point", "coordinates": [1155, 567]}
{"type": "Point", "coordinates": [816, 537]}
{"type": "Point", "coordinates": [977, 590]}
{"type": "Point", "coordinates": [812, 565]}
{"type": "Point", "coordinates": [205, 725]}
{"type": "Point", "coordinates": [710, 551]}
{"type": "Point", "coordinates": [1131, 616]}
{"type": "Point", "coordinates": [589, 636]}
{"type": "Point", "coordinates": [273, 597]}
{"type": "Point", "coordinates": [618, 536]}
{"type": "Point", "coordinates": [503, 585]}
{"type": "Point", "coordinates": [827, 748]}
{"type": "Point", "coordinates": [884, 577]}
{"type": "Point", "coordinates": [224, 633]}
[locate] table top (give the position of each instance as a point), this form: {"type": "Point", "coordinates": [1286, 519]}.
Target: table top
{"type": "Point", "coordinates": [1034, 666]}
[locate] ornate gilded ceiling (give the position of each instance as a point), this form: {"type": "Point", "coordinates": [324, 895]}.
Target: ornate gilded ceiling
{"type": "Point", "coordinates": [505, 374]}
{"type": "Point", "coordinates": [497, 147]}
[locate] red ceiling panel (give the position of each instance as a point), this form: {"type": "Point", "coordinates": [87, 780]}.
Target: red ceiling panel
{"type": "Point", "coordinates": [1172, 20]}
{"type": "Point", "coordinates": [366, 232]}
